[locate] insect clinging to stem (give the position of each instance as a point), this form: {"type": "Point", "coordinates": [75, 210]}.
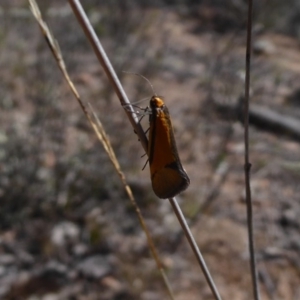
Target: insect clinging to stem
{"type": "Point", "coordinates": [168, 177]}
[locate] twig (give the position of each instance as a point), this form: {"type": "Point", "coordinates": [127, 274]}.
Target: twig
{"type": "Point", "coordinates": [110, 73]}
{"type": "Point", "coordinates": [262, 117]}
{"type": "Point", "coordinates": [247, 166]}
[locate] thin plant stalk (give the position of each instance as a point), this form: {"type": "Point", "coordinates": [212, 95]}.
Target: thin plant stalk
{"type": "Point", "coordinates": [110, 73]}
{"type": "Point", "coordinates": [247, 166]}
{"type": "Point", "coordinates": [103, 138]}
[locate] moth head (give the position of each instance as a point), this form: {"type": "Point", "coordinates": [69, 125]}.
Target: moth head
{"type": "Point", "coordinates": [156, 102]}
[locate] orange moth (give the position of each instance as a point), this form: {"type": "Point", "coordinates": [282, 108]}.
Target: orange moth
{"type": "Point", "coordinates": [167, 174]}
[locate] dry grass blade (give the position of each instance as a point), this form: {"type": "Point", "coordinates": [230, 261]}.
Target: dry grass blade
{"type": "Point", "coordinates": [100, 132]}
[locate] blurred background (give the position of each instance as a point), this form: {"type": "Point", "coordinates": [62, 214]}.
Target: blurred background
{"type": "Point", "coordinates": [67, 229]}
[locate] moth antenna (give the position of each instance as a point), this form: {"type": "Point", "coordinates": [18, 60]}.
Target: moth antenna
{"type": "Point", "coordinates": [137, 74]}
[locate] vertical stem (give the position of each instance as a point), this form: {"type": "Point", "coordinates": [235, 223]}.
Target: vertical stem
{"type": "Point", "coordinates": [195, 248]}
{"type": "Point", "coordinates": [247, 166]}
{"type": "Point", "coordinates": [104, 60]}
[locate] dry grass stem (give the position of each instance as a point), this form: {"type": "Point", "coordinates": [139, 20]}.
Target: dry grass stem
{"type": "Point", "coordinates": [247, 166]}
{"type": "Point", "coordinates": [101, 134]}
{"type": "Point", "coordinates": [110, 73]}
